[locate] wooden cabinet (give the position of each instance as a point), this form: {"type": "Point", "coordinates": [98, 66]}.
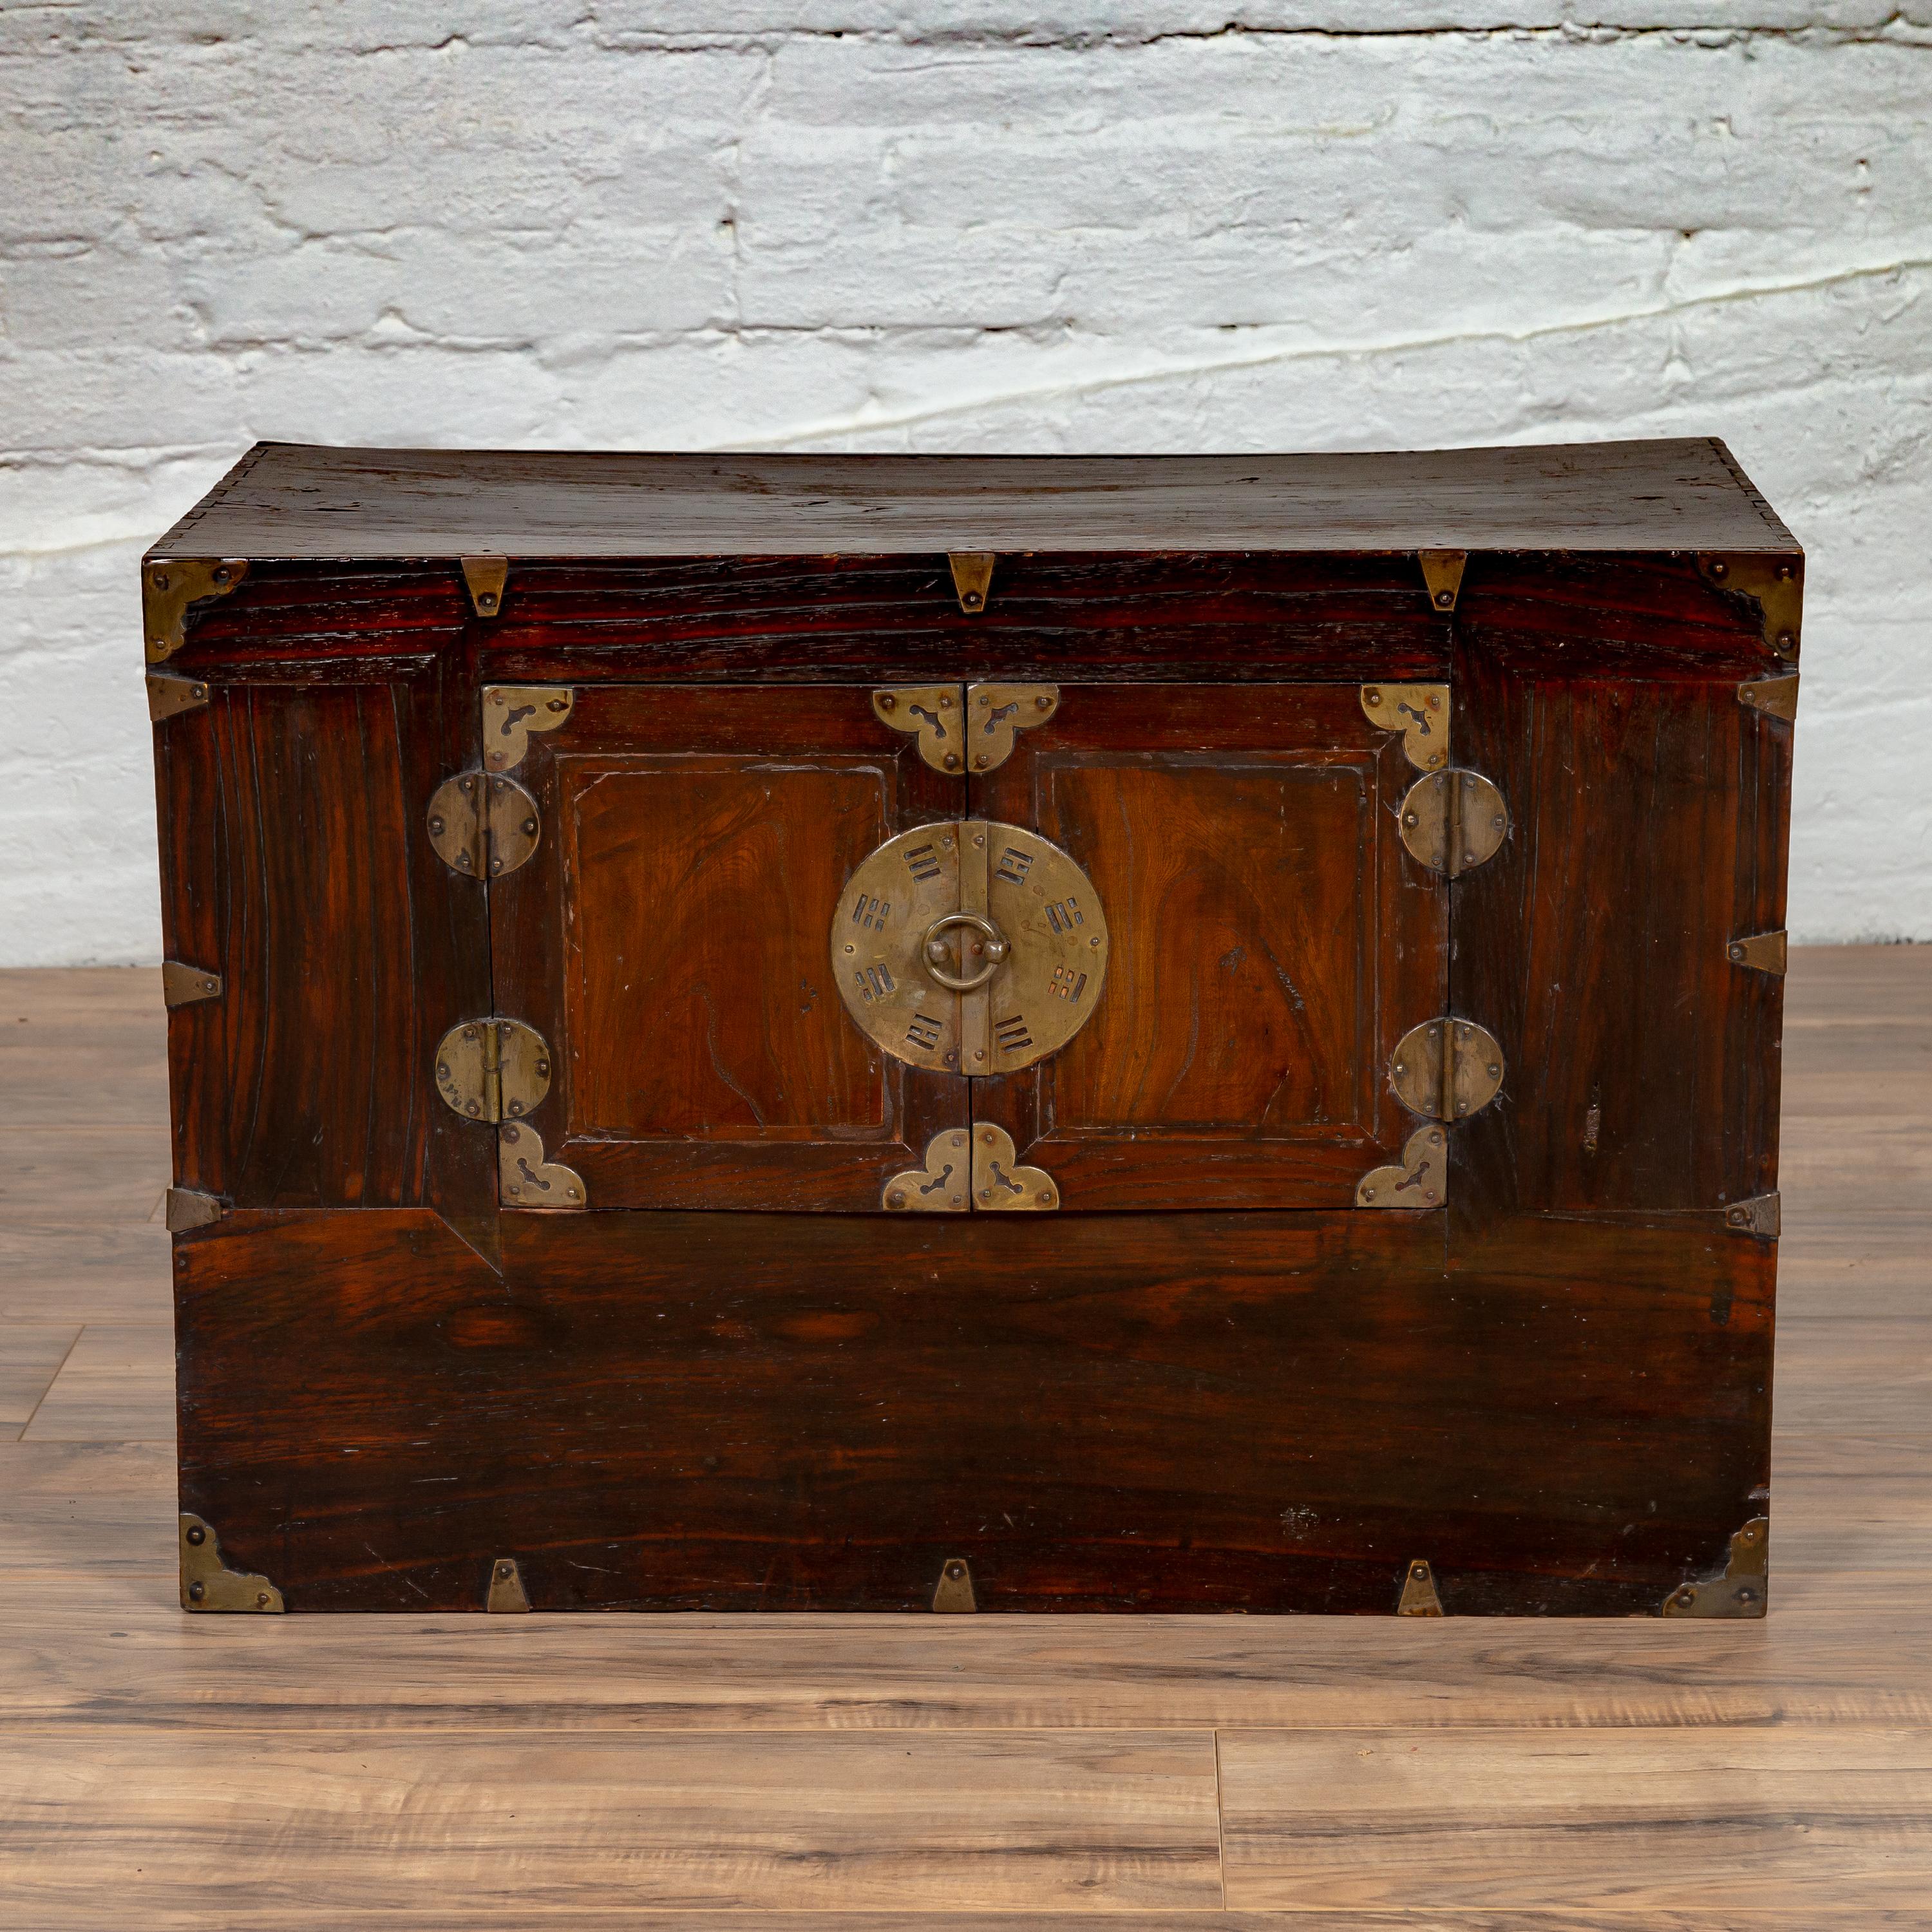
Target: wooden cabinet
{"type": "Point", "coordinates": [1017, 1034]}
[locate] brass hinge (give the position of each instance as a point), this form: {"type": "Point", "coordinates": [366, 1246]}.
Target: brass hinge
{"type": "Point", "coordinates": [493, 1069]}
{"type": "Point", "coordinates": [189, 1208]}
{"type": "Point", "coordinates": [483, 825]}
{"type": "Point", "coordinates": [169, 695]}
{"type": "Point", "coordinates": [206, 1584]}
{"type": "Point", "coordinates": [485, 577]}
{"type": "Point", "coordinates": [1452, 820]}
{"type": "Point", "coordinates": [1776, 584]}
{"type": "Point", "coordinates": [506, 1592]}
{"type": "Point", "coordinates": [1761, 1214]}
{"type": "Point", "coordinates": [972, 578]}
{"type": "Point", "coordinates": [182, 985]}
{"type": "Point", "coordinates": [1442, 572]}
{"type": "Point", "coordinates": [1420, 711]}
{"type": "Point", "coordinates": [525, 1179]}
{"type": "Point", "coordinates": [1446, 1069]}
{"type": "Point", "coordinates": [1420, 1179]}
{"type": "Point", "coordinates": [1418, 1596]}
{"type": "Point", "coordinates": [1742, 1591]}
{"type": "Point", "coordinates": [964, 728]}
{"type": "Point", "coordinates": [1775, 696]}
{"type": "Point", "coordinates": [976, 1169]}
{"type": "Point", "coordinates": [169, 585]}
{"type": "Point", "coordinates": [954, 1590]}
{"type": "Point", "coordinates": [511, 711]}
{"type": "Point", "coordinates": [1762, 951]}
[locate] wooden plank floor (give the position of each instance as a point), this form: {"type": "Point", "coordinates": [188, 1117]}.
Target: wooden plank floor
{"type": "Point", "coordinates": [157, 1770]}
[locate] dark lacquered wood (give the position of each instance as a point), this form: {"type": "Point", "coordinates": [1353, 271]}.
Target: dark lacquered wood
{"type": "Point", "coordinates": [670, 940]}
{"type": "Point", "coordinates": [1555, 1391]}
{"type": "Point", "coordinates": [1266, 1412]}
{"type": "Point", "coordinates": [294, 864]}
{"type": "Point", "coordinates": [1650, 830]}
{"type": "Point", "coordinates": [288, 500]}
{"type": "Point", "coordinates": [1271, 942]}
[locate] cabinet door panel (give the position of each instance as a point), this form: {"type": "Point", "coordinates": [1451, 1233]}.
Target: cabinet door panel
{"type": "Point", "coordinates": [669, 940]}
{"type": "Point", "coordinates": [1272, 940]}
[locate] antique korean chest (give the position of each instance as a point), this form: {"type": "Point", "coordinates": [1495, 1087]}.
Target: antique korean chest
{"type": "Point", "coordinates": [894, 1033]}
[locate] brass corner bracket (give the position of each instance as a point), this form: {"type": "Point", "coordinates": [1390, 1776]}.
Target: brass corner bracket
{"type": "Point", "coordinates": [1452, 820]}
{"type": "Point", "coordinates": [169, 695]}
{"type": "Point", "coordinates": [1420, 1179]}
{"type": "Point", "coordinates": [206, 1584]}
{"type": "Point", "coordinates": [1420, 711]}
{"type": "Point", "coordinates": [1776, 584]}
{"type": "Point", "coordinates": [188, 1208]}
{"type": "Point", "coordinates": [1418, 1592]}
{"type": "Point", "coordinates": [1000, 1186]}
{"type": "Point", "coordinates": [1447, 1068]}
{"type": "Point", "coordinates": [997, 713]}
{"type": "Point", "coordinates": [963, 728]}
{"type": "Point", "coordinates": [1775, 696]}
{"type": "Point", "coordinates": [974, 1168]}
{"type": "Point", "coordinates": [506, 1593]}
{"type": "Point", "coordinates": [1761, 1215]}
{"type": "Point", "coordinates": [485, 577]}
{"type": "Point", "coordinates": [170, 584]}
{"type": "Point", "coordinates": [936, 713]}
{"type": "Point", "coordinates": [483, 825]}
{"type": "Point", "coordinates": [526, 1178]}
{"type": "Point", "coordinates": [511, 711]}
{"type": "Point", "coordinates": [1742, 1591]}
{"type": "Point", "coordinates": [942, 1186]}
{"type": "Point", "coordinates": [183, 985]}
{"type": "Point", "coordinates": [972, 578]}
{"type": "Point", "coordinates": [954, 1590]}
{"type": "Point", "coordinates": [1442, 572]}
{"type": "Point", "coordinates": [1762, 951]}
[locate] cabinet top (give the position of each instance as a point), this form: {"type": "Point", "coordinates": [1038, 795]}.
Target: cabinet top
{"type": "Point", "coordinates": [297, 501]}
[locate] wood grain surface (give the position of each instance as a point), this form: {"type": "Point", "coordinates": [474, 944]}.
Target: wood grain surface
{"type": "Point", "coordinates": [290, 500]}
{"type": "Point", "coordinates": [987, 1774]}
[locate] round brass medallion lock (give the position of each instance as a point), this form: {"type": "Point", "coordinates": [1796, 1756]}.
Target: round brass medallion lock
{"type": "Point", "coordinates": [973, 948]}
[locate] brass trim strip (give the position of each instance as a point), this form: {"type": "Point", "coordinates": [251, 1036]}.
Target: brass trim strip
{"type": "Point", "coordinates": [972, 578]}
{"type": "Point", "coordinates": [1418, 1596]}
{"type": "Point", "coordinates": [954, 1590]}
{"type": "Point", "coordinates": [183, 985]}
{"type": "Point", "coordinates": [1442, 572]}
{"type": "Point", "coordinates": [485, 577]}
{"type": "Point", "coordinates": [506, 1593]}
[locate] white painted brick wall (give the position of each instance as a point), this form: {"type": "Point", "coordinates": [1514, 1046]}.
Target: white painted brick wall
{"type": "Point", "coordinates": [1180, 225]}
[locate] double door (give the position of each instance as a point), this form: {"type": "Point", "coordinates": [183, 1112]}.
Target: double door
{"type": "Point", "coordinates": [843, 948]}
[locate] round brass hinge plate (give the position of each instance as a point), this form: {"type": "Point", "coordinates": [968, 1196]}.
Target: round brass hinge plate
{"type": "Point", "coordinates": [1453, 820]}
{"type": "Point", "coordinates": [975, 947]}
{"type": "Point", "coordinates": [1446, 1069]}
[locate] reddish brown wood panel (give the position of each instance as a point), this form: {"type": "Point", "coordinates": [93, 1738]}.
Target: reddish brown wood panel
{"type": "Point", "coordinates": [1268, 1412]}
{"type": "Point", "coordinates": [1650, 821]}
{"type": "Point", "coordinates": [670, 940]}
{"type": "Point", "coordinates": [1272, 941]}
{"type": "Point", "coordinates": [294, 865]}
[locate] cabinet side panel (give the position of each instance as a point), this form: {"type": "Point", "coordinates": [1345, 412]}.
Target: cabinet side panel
{"type": "Point", "coordinates": [294, 864]}
{"type": "Point", "coordinates": [1649, 825]}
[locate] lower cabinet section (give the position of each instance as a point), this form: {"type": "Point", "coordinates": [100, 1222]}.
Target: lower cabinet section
{"type": "Point", "coordinates": [1259, 1412]}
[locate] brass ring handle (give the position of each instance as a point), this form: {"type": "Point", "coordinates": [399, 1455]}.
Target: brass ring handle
{"type": "Point", "coordinates": [935, 951]}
